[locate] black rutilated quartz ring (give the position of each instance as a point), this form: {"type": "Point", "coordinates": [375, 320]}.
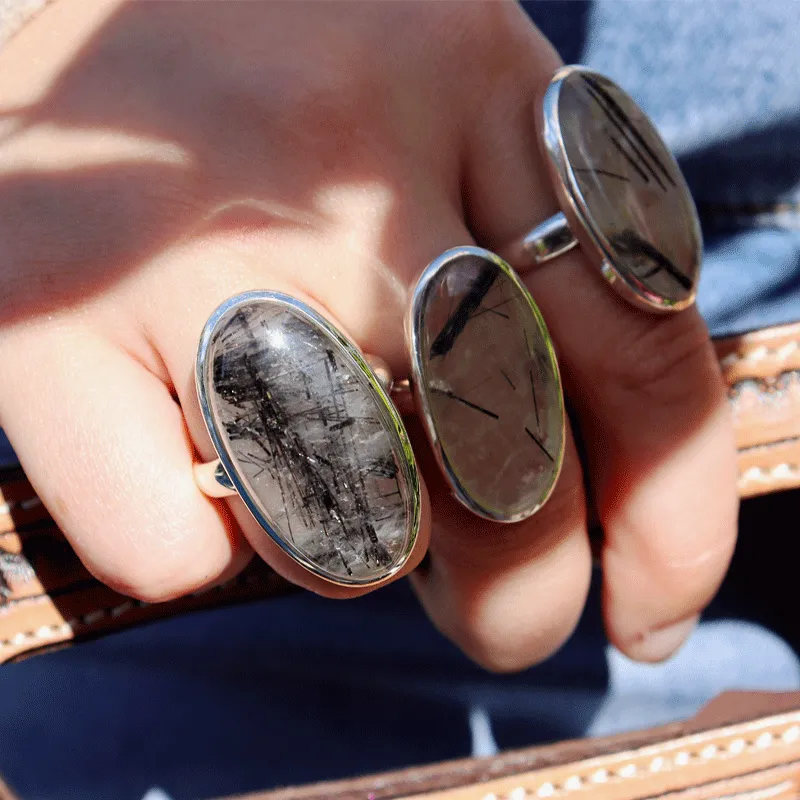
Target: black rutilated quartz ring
{"type": "Point", "coordinates": [308, 438]}
{"type": "Point", "coordinates": [623, 197]}
{"type": "Point", "coordinates": [486, 384]}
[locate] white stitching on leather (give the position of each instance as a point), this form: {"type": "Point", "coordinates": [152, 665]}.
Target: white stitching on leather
{"type": "Point", "coordinates": [90, 618]}
{"type": "Point", "coordinates": [121, 609]}
{"type": "Point", "coordinates": [60, 629]}
{"type": "Point", "coordinates": [710, 752]}
{"type": "Point", "coordinates": [769, 474]}
{"type": "Point", "coordinates": [761, 354]}
{"type": "Point", "coordinates": [737, 746]}
{"type": "Point", "coordinates": [764, 741]}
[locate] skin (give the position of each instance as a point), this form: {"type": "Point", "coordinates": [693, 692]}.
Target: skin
{"type": "Point", "coordinates": [157, 158]}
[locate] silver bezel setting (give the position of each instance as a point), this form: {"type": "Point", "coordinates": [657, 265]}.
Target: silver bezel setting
{"type": "Point", "coordinates": [578, 213]}
{"type": "Point", "coordinates": [203, 378]}
{"type": "Point", "coordinates": [414, 324]}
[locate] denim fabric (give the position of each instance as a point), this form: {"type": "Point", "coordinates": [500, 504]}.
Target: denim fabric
{"type": "Point", "coordinates": [301, 689]}
{"type": "Point", "coordinates": [720, 79]}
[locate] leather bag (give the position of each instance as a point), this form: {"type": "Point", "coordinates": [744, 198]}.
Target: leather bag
{"type": "Point", "coordinates": [743, 745]}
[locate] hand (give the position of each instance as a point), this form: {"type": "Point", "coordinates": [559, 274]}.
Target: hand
{"type": "Point", "coordinates": [156, 159]}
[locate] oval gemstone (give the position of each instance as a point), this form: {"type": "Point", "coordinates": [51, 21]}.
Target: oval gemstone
{"type": "Point", "coordinates": [487, 380]}
{"type": "Point", "coordinates": [628, 187]}
{"type": "Point", "coordinates": [310, 441]}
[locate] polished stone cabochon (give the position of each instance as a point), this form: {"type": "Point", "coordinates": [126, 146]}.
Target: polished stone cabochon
{"type": "Point", "coordinates": [488, 382]}
{"type": "Point", "coordinates": [315, 447]}
{"type": "Point", "coordinates": [631, 190]}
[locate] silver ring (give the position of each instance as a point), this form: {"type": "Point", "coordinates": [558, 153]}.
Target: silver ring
{"type": "Point", "coordinates": [307, 437]}
{"type": "Point", "coordinates": [623, 197]}
{"type": "Point", "coordinates": [486, 384]}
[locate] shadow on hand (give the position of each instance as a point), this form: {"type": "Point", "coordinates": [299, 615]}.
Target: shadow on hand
{"type": "Point", "coordinates": [176, 106]}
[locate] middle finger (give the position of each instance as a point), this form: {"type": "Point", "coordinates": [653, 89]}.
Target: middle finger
{"type": "Point", "coordinates": [647, 391]}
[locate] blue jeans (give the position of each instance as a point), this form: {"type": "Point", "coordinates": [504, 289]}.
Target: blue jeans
{"type": "Point", "coordinates": [299, 689]}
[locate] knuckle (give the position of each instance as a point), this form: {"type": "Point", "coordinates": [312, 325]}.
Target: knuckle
{"type": "Point", "coordinates": [175, 563]}
{"type": "Point", "coordinates": [502, 38]}
{"type": "Point", "coordinates": [692, 570]}
{"type": "Point", "coordinates": [665, 362]}
{"type": "Point", "coordinates": [160, 579]}
{"type": "Point", "coordinates": [683, 573]}
{"type": "Point", "coordinates": [339, 118]}
{"type": "Point", "coordinates": [508, 628]}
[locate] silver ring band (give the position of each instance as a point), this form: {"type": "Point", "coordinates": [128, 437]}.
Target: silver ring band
{"type": "Point", "coordinates": [550, 239]}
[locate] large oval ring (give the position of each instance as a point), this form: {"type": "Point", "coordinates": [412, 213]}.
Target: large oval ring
{"type": "Point", "coordinates": [623, 197]}
{"type": "Point", "coordinates": [308, 438]}
{"type": "Point", "coordinates": [486, 384]}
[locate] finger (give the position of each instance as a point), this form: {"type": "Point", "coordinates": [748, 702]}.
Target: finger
{"type": "Point", "coordinates": [106, 448]}
{"type": "Point", "coordinates": [375, 323]}
{"type": "Point", "coordinates": [508, 595]}
{"type": "Point", "coordinates": [263, 267]}
{"type": "Point", "coordinates": [647, 391]}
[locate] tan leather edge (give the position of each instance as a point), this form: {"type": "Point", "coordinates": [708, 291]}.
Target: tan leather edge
{"type": "Point", "coordinates": [769, 468]}
{"type": "Point", "coordinates": [762, 370]}
{"type": "Point", "coordinates": [627, 767]}
{"type": "Point", "coordinates": [766, 411]}
{"type": "Point", "coordinates": [43, 623]}
{"type": "Point", "coordinates": [777, 783]}
{"type": "Point", "coordinates": [759, 354]}
{"type": "Point", "coordinates": [48, 599]}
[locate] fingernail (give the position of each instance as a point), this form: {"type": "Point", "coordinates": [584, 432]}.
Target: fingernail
{"type": "Point", "coordinates": [659, 644]}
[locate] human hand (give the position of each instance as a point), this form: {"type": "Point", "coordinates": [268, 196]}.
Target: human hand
{"type": "Point", "coordinates": [158, 158]}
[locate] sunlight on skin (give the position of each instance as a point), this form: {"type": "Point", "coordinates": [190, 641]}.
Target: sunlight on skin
{"type": "Point", "coordinates": [233, 210]}
{"type": "Point", "coordinates": [75, 23]}
{"type": "Point", "coordinates": [48, 147]}
{"type": "Point", "coordinates": [350, 220]}
{"type": "Point", "coordinates": [364, 211]}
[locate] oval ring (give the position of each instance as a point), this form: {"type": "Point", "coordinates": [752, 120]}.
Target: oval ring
{"type": "Point", "coordinates": [308, 438]}
{"type": "Point", "coordinates": [623, 197]}
{"type": "Point", "coordinates": [486, 384]}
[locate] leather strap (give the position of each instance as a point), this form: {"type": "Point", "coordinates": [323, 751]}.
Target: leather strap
{"type": "Point", "coordinates": [48, 599]}
{"type": "Point", "coordinates": [762, 370]}
{"type": "Point", "coordinates": [742, 745]}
